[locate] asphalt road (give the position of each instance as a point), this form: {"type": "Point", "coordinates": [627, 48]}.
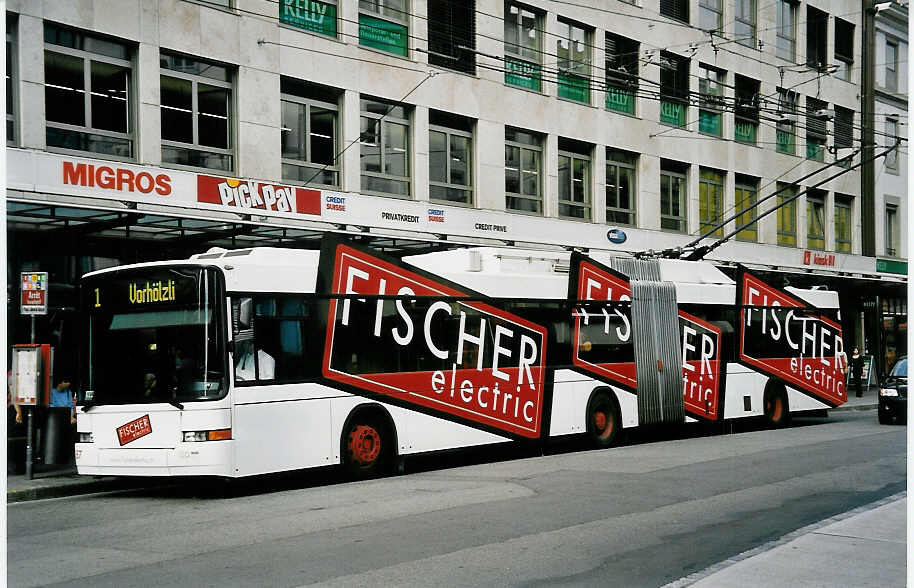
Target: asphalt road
{"type": "Point", "coordinates": [644, 514]}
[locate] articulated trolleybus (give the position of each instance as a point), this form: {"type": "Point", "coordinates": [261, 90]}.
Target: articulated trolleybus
{"type": "Point", "coordinates": [245, 362]}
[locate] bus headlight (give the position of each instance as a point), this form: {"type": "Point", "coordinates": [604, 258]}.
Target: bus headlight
{"type": "Point", "coordinates": [217, 435]}
{"type": "Point", "coordinates": [84, 438]}
{"type": "Point", "coordinates": [888, 392]}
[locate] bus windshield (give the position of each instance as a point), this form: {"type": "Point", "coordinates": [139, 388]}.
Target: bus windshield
{"type": "Point", "coordinates": [154, 336]}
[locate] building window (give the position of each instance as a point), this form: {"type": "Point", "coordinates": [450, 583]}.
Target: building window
{"type": "Point", "coordinates": [843, 224]}
{"type": "Point", "coordinates": [452, 34]}
{"type": "Point", "coordinates": [674, 89]}
{"type": "Point", "coordinates": [675, 9]}
{"type": "Point", "coordinates": [88, 93]}
{"type": "Point", "coordinates": [787, 215]}
{"type": "Point", "coordinates": [523, 41]}
{"type": "Point", "coordinates": [816, 39]}
{"type": "Point", "coordinates": [710, 15]}
{"type": "Point", "coordinates": [816, 116]}
{"type": "Point", "coordinates": [673, 200]}
{"type": "Point", "coordinates": [314, 16]}
{"type": "Point", "coordinates": [891, 230]}
{"type": "Point", "coordinates": [620, 187]}
{"type": "Point", "coordinates": [196, 98]}
{"type": "Point", "coordinates": [711, 99]}
{"type": "Point", "coordinates": [844, 134]}
{"type": "Point", "coordinates": [621, 73]}
{"type": "Point", "coordinates": [710, 200]}
{"type": "Point", "coordinates": [450, 158]}
{"type": "Point", "coordinates": [891, 138]}
{"type": "Point", "coordinates": [744, 22]}
{"type": "Point", "coordinates": [746, 121]}
{"type": "Point", "coordinates": [11, 79]}
{"type": "Point", "coordinates": [572, 48]}
{"type": "Point", "coordinates": [891, 66]}
{"type": "Point", "coordinates": [844, 49]}
{"type": "Point", "coordinates": [310, 133]}
{"type": "Point", "coordinates": [746, 199]}
{"type": "Point", "coordinates": [383, 25]}
{"type": "Point", "coordinates": [786, 38]}
{"type": "Point", "coordinates": [523, 171]}
{"type": "Point", "coordinates": [384, 140]}
{"type": "Point", "coordinates": [815, 220]}
{"type": "Point", "coordinates": [574, 179]}
{"type": "Point", "coordinates": [787, 120]}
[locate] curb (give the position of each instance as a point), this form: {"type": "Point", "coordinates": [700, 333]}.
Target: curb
{"type": "Point", "coordinates": [855, 407]}
{"type": "Point", "coordinates": [14, 495]}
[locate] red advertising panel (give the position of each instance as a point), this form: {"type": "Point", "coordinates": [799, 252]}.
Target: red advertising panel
{"type": "Point", "coordinates": [134, 430]}
{"type": "Point", "coordinates": [603, 336]}
{"type": "Point", "coordinates": [700, 366]}
{"type": "Point", "coordinates": [603, 345]}
{"type": "Point", "coordinates": [248, 194]}
{"type": "Point", "coordinates": [464, 360]}
{"type": "Point", "coordinates": [784, 338]}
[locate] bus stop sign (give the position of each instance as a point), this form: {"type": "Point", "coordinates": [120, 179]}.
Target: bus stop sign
{"type": "Point", "coordinates": [34, 288]}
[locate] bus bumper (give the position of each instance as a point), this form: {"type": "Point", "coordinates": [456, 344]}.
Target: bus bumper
{"type": "Point", "coordinates": [210, 458]}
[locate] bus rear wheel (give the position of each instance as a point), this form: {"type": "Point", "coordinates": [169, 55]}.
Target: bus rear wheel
{"type": "Point", "coordinates": [366, 448]}
{"type": "Point", "coordinates": [603, 421]}
{"type": "Point", "coordinates": [776, 409]}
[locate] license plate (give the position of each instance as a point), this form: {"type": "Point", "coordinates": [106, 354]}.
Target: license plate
{"type": "Point", "coordinates": [134, 430]}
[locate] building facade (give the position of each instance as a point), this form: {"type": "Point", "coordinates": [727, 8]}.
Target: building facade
{"type": "Point", "coordinates": [891, 122]}
{"type": "Point", "coordinates": [149, 129]}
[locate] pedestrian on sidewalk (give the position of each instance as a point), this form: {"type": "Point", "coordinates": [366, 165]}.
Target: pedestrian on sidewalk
{"type": "Point", "coordinates": [857, 371]}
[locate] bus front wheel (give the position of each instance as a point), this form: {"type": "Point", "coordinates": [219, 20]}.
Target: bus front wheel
{"type": "Point", "coordinates": [366, 447]}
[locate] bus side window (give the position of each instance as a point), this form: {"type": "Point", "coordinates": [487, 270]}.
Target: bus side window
{"type": "Point", "coordinates": [243, 323]}
{"type": "Point", "coordinates": [279, 338]}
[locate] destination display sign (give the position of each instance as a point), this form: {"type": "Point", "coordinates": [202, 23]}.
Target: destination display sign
{"type": "Point", "coordinates": [146, 289]}
{"type": "Point", "coordinates": [603, 345]}
{"type": "Point", "coordinates": [465, 360]}
{"type": "Point", "coordinates": [783, 337]}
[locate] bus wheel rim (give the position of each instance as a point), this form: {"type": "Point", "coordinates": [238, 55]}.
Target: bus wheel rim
{"type": "Point", "coordinates": [364, 445]}
{"type": "Point", "coordinates": [603, 424]}
{"type": "Point", "coordinates": [777, 409]}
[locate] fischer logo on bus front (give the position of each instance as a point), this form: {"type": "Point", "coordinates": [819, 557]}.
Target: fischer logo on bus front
{"type": "Point", "coordinates": [467, 360]}
{"type": "Point", "coordinates": [784, 339]}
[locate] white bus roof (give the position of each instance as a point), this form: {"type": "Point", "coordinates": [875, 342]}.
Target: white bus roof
{"type": "Point", "coordinates": [499, 272]}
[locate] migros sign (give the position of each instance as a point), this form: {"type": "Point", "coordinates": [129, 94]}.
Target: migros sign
{"type": "Point", "coordinates": [120, 179]}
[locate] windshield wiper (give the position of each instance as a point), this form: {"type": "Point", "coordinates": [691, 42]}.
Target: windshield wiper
{"type": "Point", "coordinates": [88, 405]}
{"type": "Point", "coordinates": [176, 404]}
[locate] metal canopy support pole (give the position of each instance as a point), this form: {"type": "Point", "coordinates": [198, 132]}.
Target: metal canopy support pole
{"type": "Point", "coordinates": [29, 441]}
{"type": "Point", "coordinates": [868, 103]}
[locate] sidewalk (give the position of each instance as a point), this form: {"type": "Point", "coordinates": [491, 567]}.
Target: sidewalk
{"type": "Point", "coordinates": [869, 400]}
{"type": "Point", "coordinates": [864, 547]}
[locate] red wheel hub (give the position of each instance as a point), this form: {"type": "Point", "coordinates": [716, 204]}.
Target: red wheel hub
{"type": "Point", "coordinates": [776, 409]}
{"type": "Point", "coordinates": [600, 420]}
{"type": "Point", "coordinates": [364, 444]}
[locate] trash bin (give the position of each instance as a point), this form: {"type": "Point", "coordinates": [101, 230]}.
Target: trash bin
{"type": "Point", "coordinates": [58, 444]}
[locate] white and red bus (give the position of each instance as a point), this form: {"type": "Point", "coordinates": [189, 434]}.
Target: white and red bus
{"type": "Point", "coordinates": [252, 361]}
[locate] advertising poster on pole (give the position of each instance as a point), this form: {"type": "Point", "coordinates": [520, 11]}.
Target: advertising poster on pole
{"type": "Point", "coordinates": [34, 288]}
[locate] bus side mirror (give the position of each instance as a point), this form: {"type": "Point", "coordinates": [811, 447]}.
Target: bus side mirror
{"type": "Point", "coordinates": [245, 310]}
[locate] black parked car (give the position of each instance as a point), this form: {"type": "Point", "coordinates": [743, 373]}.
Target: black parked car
{"type": "Point", "coordinates": [893, 394]}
